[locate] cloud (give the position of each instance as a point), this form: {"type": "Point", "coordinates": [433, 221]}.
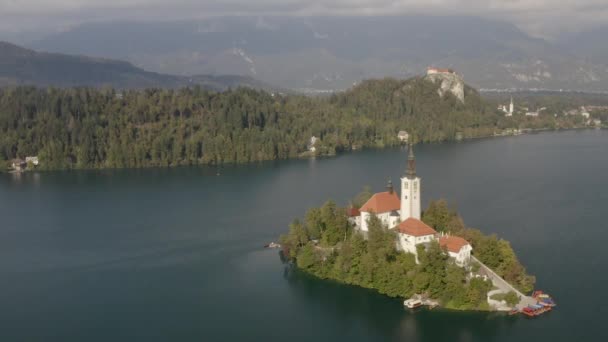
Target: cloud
{"type": "Point", "coordinates": [535, 16]}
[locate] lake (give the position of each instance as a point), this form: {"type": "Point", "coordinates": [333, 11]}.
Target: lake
{"type": "Point", "coordinates": [176, 254]}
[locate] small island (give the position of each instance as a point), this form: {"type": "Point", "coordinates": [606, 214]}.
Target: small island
{"type": "Point", "coordinates": [385, 242]}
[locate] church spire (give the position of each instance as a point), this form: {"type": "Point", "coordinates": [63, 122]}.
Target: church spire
{"type": "Point", "coordinates": [411, 162]}
{"type": "Point", "coordinates": [389, 187]}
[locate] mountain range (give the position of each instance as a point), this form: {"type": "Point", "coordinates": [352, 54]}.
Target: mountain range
{"type": "Point", "coordinates": [331, 53]}
{"type": "Point", "coordinates": [21, 66]}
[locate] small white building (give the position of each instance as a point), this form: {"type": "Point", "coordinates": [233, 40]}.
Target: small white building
{"type": "Point", "coordinates": [385, 205]}
{"type": "Point", "coordinates": [403, 136]}
{"type": "Point", "coordinates": [457, 248]}
{"type": "Point", "coordinates": [18, 164]}
{"type": "Point", "coordinates": [413, 232]}
{"type": "Point", "coordinates": [354, 216]}
{"type": "Point", "coordinates": [33, 160]}
{"type": "Point", "coordinates": [509, 111]}
{"type": "Point", "coordinates": [312, 143]}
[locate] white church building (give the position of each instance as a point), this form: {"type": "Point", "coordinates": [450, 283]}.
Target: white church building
{"type": "Point", "coordinates": [403, 213]}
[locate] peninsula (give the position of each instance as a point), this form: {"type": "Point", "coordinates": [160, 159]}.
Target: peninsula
{"type": "Point", "coordinates": [384, 241]}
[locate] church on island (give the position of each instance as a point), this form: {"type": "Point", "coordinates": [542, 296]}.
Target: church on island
{"type": "Point", "coordinates": [402, 214]}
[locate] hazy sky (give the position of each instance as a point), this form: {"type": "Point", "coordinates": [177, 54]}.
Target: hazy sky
{"type": "Point", "coordinates": [539, 17]}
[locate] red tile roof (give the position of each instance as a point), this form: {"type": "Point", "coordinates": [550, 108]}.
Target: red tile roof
{"type": "Point", "coordinates": [415, 227]}
{"type": "Point", "coordinates": [382, 202]}
{"type": "Point", "coordinates": [352, 212]}
{"type": "Point", "coordinates": [452, 243]}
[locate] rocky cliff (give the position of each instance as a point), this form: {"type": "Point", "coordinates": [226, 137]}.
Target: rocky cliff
{"type": "Point", "coordinates": [449, 82]}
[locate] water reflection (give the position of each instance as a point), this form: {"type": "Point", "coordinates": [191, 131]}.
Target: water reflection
{"type": "Point", "coordinates": [385, 318]}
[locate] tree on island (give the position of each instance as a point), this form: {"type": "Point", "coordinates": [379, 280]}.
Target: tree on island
{"type": "Point", "coordinates": [3, 162]}
{"type": "Point", "coordinates": [512, 298]}
{"type": "Point", "coordinates": [362, 197]}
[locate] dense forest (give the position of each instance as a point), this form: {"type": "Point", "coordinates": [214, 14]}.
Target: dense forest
{"type": "Point", "coordinates": [103, 128]}
{"type": "Point", "coordinates": [326, 245]}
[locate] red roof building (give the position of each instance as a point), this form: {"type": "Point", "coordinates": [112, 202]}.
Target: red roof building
{"type": "Point", "coordinates": [352, 212]}
{"type": "Point", "coordinates": [415, 227]}
{"type": "Point", "coordinates": [382, 202]}
{"type": "Point", "coordinates": [431, 70]}
{"type": "Point", "coordinates": [452, 243]}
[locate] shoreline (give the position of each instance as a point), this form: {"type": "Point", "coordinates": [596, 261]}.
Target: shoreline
{"type": "Point", "coordinates": [399, 299]}
{"type": "Point", "coordinates": [308, 156]}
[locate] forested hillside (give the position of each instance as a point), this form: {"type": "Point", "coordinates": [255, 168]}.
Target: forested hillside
{"type": "Point", "coordinates": [99, 128]}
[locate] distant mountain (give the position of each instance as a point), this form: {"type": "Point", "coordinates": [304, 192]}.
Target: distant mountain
{"type": "Point", "coordinates": [335, 52]}
{"type": "Point", "coordinates": [20, 66]}
{"type": "Point", "coordinates": [590, 45]}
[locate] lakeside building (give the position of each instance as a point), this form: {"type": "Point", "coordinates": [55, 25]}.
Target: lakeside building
{"type": "Point", "coordinates": [509, 111]}
{"type": "Point", "coordinates": [32, 160]}
{"type": "Point", "coordinates": [311, 144]}
{"type": "Point", "coordinates": [403, 215]}
{"type": "Point", "coordinates": [457, 248]}
{"type": "Point", "coordinates": [403, 136]}
{"type": "Point", "coordinates": [18, 164]}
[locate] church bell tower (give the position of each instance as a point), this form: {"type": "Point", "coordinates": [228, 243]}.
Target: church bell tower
{"type": "Point", "coordinates": [410, 189]}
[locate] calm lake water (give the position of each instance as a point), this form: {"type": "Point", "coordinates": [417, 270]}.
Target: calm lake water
{"type": "Point", "coordinates": [176, 255]}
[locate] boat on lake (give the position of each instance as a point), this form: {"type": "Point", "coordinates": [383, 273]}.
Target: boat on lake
{"type": "Point", "coordinates": [412, 303]}
{"type": "Point", "coordinates": [543, 299]}
{"type": "Point", "coordinates": [535, 310]}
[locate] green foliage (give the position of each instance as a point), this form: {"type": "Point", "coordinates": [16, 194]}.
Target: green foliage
{"type": "Point", "coordinates": [334, 224]}
{"type": "Point", "coordinates": [93, 128]}
{"type": "Point", "coordinates": [314, 223]}
{"type": "Point", "coordinates": [362, 197]}
{"type": "Point", "coordinates": [381, 243]}
{"type": "Point", "coordinates": [306, 257]}
{"type": "Point", "coordinates": [3, 162]}
{"type": "Point", "coordinates": [295, 239]}
{"type": "Point", "coordinates": [438, 215]}
{"type": "Point", "coordinates": [512, 298]}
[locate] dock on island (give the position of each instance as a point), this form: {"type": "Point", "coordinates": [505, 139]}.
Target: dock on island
{"type": "Point", "coordinates": [534, 305]}
{"type": "Point", "coordinates": [417, 301]}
